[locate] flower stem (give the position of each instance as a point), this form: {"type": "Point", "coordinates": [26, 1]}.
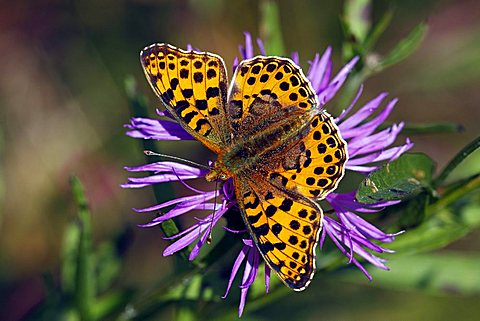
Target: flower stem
{"type": "Point", "coordinates": [454, 195]}
{"type": "Point", "coordinates": [467, 150]}
{"type": "Point", "coordinates": [84, 276]}
{"type": "Point", "coordinates": [430, 128]}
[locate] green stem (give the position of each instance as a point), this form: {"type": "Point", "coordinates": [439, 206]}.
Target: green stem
{"type": "Point", "coordinates": [433, 128]}
{"type": "Point", "coordinates": [84, 277]}
{"type": "Point", "coordinates": [151, 302]}
{"type": "Point", "coordinates": [467, 150]}
{"type": "Point", "coordinates": [453, 196]}
{"type": "Point", "coordinates": [270, 28]}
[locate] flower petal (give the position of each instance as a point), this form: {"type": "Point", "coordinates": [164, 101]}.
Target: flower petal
{"type": "Point", "coordinates": [236, 266]}
{"type": "Point", "coordinates": [359, 116]}
{"type": "Point", "coordinates": [327, 94]}
{"type": "Point", "coordinates": [157, 129]}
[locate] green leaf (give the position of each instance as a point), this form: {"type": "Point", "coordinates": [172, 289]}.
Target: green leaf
{"type": "Point", "coordinates": [414, 211]}
{"type": "Point", "coordinates": [84, 276]}
{"type": "Point", "coordinates": [108, 266]}
{"type": "Point", "coordinates": [70, 246]}
{"type": "Point", "coordinates": [270, 28]}
{"type": "Point", "coordinates": [438, 231]}
{"type": "Point", "coordinates": [405, 47]}
{"type": "Point", "coordinates": [440, 273]}
{"type": "Point", "coordinates": [111, 303]}
{"type": "Point", "coordinates": [430, 128]}
{"type": "Point", "coordinates": [401, 179]}
{"type": "Point", "coordinates": [377, 30]}
{"type": "Point", "coordinates": [351, 46]}
{"type": "Point", "coordinates": [357, 17]}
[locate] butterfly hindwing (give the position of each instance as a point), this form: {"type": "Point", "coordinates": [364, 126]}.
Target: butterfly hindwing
{"type": "Point", "coordinates": [193, 86]}
{"type": "Point", "coordinates": [285, 228]}
{"type": "Point", "coordinates": [313, 164]}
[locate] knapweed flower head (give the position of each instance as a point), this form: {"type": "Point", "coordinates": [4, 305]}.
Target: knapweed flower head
{"type": "Point", "coordinates": [367, 148]}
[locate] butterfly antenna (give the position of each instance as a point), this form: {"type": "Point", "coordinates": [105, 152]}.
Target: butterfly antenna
{"type": "Point", "coordinates": [209, 238]}
{"type": "Point", "coordinates": [150, 153]}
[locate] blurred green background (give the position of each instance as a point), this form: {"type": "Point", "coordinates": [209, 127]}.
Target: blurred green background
{"type": "Point", "coordinates": [63, 106]}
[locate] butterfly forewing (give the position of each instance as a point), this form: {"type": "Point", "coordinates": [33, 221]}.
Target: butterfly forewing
{"type": "Point", "coordinates": [193, 86]}
{"type": "Point", "coordinates": [265, 91]}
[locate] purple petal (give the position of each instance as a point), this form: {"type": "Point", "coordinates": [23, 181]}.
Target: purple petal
{"type": "Point", "coordinates": [210, 224]}
{"type": "Point", "coordinates": [326, 77]}
{"type": "Point", "coordinates": [175, 212]}
{"type": "Point", "coordinates": [184, 201]}
{"type": "Point", "coordinates": [234, 231]}
{"type": "Point", "coordinates": [235, 64]}
{"type": "Point", "coordinates": [354, 101]}
{"type": "Point", "coordinates": [362, 114]}
{"type": "Point", "coordinates": [267, 278]}
{"type": "Point", "coordinates": [184, 241]}
{"type": "Point", "coordinates": [251, 268]}
{"type": "Point", "coordinates": [249, 275]}
{"type": "Point", "coordinates": [295, 58]}
{"type": "Point", "coordinates": [325, 95]}
{"type": "Point", "coordinates": [164, 172]}
{"type": "Point", "coordinates": [388, 154]}
{"type": "Point", "coordinates": [348, 201]}
{"type": "Point", "coordinates": [169, 167]}
{"type": "Point", "coordinates": [371, 125]}
{"type": "Point", "coordinates": [378, 141]}
{"type": "Point", "coordinates": [199, 244]}
{"type": "Point", "coordinates": [236, 266]}
{"type": "Point", "coordinates": [248, 51]}
{"type": "Point", "coordinates": [180, 210]}
{"type": "Point", "coordinates": [147, 128]}
{"type": "Point", "coordinates": [229, 190]}
{"type": "Point", "coordinates": [334, 237]}
{"type": "Point", "coordinates": [318, 72]}
{"type": "Point", "coordinates": [261, 47]}
{"type": "Point", "coordinates": [354, 232]}
{"type": "Point", "coordinates": [202, 226]}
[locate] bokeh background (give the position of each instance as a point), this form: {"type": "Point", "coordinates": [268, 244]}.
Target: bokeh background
{"type": "Point", "coordinates": [63, 106]}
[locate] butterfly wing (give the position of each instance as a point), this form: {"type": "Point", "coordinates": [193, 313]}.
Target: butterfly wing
{"type": "Point", "coordinates": [284, 226]}
{"type": "Point", "coordinates": [311, 165]}
{"type": "Point", "coordinates": [299, 156]}
{"type": "Point", "coordinates": [192, 85]}
{"type": "Point", "coordinates": [298, 145]}
{"type": "Point", "coordinates": [267, 91]}
{"type": "Point", "coordinates": [276, 198]}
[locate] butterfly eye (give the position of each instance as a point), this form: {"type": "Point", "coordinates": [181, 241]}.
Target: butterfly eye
{"type": "Point", "coordinates": [223, 177]}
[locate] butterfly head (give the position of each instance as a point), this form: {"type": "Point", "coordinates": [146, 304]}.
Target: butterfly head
{"type": "Point", "coordinates": [217, 172]}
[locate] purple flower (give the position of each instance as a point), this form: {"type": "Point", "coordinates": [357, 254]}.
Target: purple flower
{"type": "Point", "coordinates": [250, 252]}
{"type": "Point", "coordinates": [353, 235]}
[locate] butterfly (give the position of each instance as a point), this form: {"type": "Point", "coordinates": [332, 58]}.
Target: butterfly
{"type": "Point", "coordinates": [281, 149]}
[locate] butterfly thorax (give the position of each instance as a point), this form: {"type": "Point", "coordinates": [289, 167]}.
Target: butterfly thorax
{"type": "Point", "coordinates": [248, 153]}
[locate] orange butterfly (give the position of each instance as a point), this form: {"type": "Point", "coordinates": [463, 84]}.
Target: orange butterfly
{"type": "Point", "coordinates": [281, 149]}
